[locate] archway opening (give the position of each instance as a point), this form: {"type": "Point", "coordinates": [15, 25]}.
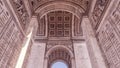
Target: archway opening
{"type": "Point", "coordinates": [59, 65]}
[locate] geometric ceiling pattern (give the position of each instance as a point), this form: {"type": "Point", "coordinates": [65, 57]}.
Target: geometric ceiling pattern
{"type": "Point", "coordinates": [59, 24]}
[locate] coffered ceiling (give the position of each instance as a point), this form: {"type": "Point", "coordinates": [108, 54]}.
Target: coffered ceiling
{"type": "Point", "coordinates": [59, 18]}
{"type": "Point", "coordinates": [59, 24]}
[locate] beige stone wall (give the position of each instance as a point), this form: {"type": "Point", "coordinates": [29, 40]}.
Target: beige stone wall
{"type": "Point", "coordinates": [96, 58]}
{"type": "Point", "coordinates": [81, 56]}
{"type": "Point", "coordinates": [36, 58]}
{"type": "Point", "coordinates": [27, 55]}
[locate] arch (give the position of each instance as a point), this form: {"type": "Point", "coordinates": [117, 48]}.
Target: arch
{"type": "Point", "coordinates": [59, 46]}
{"type": "Point", "coordinates": [59, 53]}
{"type": "Point", "coordinates": [60, 61]}
{"type": "Point", "coordinates": [59, 6]}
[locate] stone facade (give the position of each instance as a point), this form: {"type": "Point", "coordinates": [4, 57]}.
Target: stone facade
{"type": "Point", "coordinates": [11, 37]}
{"type": "Point", "coordinates": [76, 32]}
{"type": "Point", "coordinates": [108, 36]}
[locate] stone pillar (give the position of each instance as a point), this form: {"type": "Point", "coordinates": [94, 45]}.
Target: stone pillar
{"type": "Point", "coordinates": [95, 54]}
{"type": "Point", "coordinates": [29, 34]}
{"type": "Point", "coordinates": [36, 59]}
{"type": "Point", "coordinates": [73, 62]}
{"type": "Point", "coordinates": [81, 55]}
{"type": "Point", "coordinates": [45, 62]}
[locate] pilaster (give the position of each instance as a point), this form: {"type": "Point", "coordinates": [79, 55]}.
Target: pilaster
{"type": "Point", "coordinates": [95, 54]}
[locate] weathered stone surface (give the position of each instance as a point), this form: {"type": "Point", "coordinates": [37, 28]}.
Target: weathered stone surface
{"type": "Point", "coordinates": [11, 37]}
{"type": "Point", "coordinates": [57, 28]}
{"type": "Point", "coordinates": [108, 36]}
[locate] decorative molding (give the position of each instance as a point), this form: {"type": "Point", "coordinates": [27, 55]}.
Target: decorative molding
{"type": "Point", "coordinates": [11, 37]}
{"type": "Point", "coordinates": [77, 26]}
{"type": "Point", "coordinates": [99, 10]}
{"type": "Point", "coordinates": [21, 12]}
{"type": "Point", "coordinates": [41, 31]}
{"type": "Point", "coordinates": [109, 36]}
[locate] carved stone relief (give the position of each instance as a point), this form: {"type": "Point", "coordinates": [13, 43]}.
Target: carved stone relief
{"type": "Point", "coordinates": [98, 11]}
{"type": "Point", "coordinates": [108, 37]}
{"type": "Point", "coordinates": [59, 24]}
{"type": "Point", "coordinates": [77, 26]}
{"type": "Point", "coordinates": [81, 3]}
{"type": "Point", "coordinates": [53, 43]}
{"type": "Point", "coordinates": [22, 13]}
{"type": "Point", "coordinates": [11, 38]}
{"type": "Point", "coordinates": [41, 31]}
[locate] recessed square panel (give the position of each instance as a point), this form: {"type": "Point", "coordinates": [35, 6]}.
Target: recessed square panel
{"type": "Point", "coordinates": [66, 18]}
{"type": "Point", "coordinates": [52, 26]}
{"type": "Point", "coordinates": [66, 26]}
{"type": "Point", "coordinates": [60, 33]}
{"type": "Point", "coordinates": [51, 18]}
{"type": "Point", "coordinates": [51, 33]}
{"type": "Point", "coordinates": [59, 18]}
{"type": "Point", "coordinates": [59, 26]}
{"type": "Point", "coordinates": [66, 32]}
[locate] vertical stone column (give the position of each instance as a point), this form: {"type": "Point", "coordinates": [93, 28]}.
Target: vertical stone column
{"type": "Point", "coordinates": [36, 59]}
{"type": "Point", "coordinates": [81, 55]}
{"type": "Point", "coordinates": [73, 62]}
{"type": "Point", "coordinates": [45, 62]}
{"type": "Point", "coordinates": [95, 54]}
{"type": "Point", "coordinates": [27, 40]}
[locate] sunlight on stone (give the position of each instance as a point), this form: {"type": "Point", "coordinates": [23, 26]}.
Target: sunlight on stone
{"type": "Point", "coordinates": [23, 51]}
{"type": "Point", "coordinates": [59, 65]}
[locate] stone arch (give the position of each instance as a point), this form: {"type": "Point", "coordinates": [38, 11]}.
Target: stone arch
{"type": "Point", "coordinates": [60, 6]}
{"type": "Point", "coordinates": [59, 53]}
{"type": "Point", "coordinates": [59, 46]}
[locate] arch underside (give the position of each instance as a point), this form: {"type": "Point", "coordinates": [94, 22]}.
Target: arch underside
{"type": "Point", "coordinates": [75, 7]}
{"type": "Point", "coordinates": [59, 53]}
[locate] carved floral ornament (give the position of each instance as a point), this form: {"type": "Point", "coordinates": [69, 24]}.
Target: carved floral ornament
{"type": "Point", "coordinates": [98, 12]}
{"type": "Point", "coordinates": [22, 12]}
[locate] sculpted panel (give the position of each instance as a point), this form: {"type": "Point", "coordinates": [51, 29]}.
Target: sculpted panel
{"type": "Point", "coordinates": [11, 37]}
{"type": "Point", "coordinates": [4, 16]}
{"type": "Point", "coordinates": [77, 26]}
{"type": "Point", "coordinates": [41, 27]}
{"type": "Point", "coordinates": [98, 11]}
{"type": "Point", "coordinates": [59, 24]}
{"type": "Point", "coordinates": [80, 3]}
{"type": "Point", "coordinates": [109, 38]}
{"type": "Point", "coordinates": [11, 40]}
{"type": "Point", "coordinates": [21, 13]}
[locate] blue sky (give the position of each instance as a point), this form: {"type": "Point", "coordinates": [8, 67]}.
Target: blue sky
{"type": "Point", "coordinates": [59, 65]}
